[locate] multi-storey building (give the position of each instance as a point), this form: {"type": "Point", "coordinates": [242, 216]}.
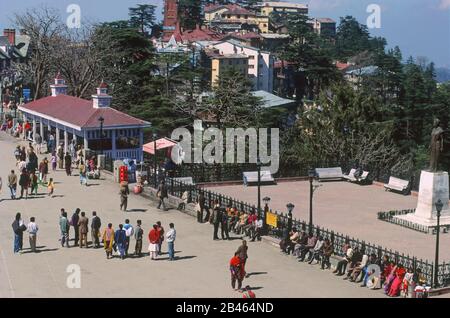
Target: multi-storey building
{"type": "Point", "coordinates": [282, 8]}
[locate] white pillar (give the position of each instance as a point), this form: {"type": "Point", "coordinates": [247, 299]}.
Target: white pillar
{"type": "Point", "coordinates": [66, 140]}
{"type": "Point", "coordinates": [41, 128]}
{"type": "Point", "coordinates": [141, 144]}
{"type": "Point", "coordinates": [57, 138]}
{"type": "Point", "coordinates": [86, 144]}
{"type": "Point", "coordinates": [34, 129]}
{"type": "Point", "coordinates": [113, 143]}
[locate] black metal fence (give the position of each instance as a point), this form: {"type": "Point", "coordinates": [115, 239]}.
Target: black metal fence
{"type": "Point", "coordinates": [177, 188]}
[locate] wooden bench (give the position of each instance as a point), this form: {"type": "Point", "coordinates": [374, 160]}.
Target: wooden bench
{"type": "Point", "coordinates": [350, 176]}
{"type": "Point", "coordinates": [185, 180]}
{"type": "Point", "coordinates": [334, 173]}
{"type": "Point", "coordinates": [251, 178]}
{"type": "Point", "coordinates": [396, 184]}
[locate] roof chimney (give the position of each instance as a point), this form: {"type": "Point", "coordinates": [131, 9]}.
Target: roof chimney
{"type": "Point", "coordinates": [101, 99]}
{"type": "Point", "coordinates": [60, 87]}
{"type": "Point", "coordinates": [11, 35]}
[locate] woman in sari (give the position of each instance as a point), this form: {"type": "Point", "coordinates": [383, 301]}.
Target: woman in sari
{"type": "Point", "coordinates": [396, 285]}
{"type": "Point", "coordinates": [108, 240]}
{"type": "Point", "coordinates": [390, 278]}
{"type": "Point", "coordinates": [153, 237]}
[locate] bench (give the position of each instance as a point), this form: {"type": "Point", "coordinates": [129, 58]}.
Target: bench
{"type": "Point", "coordinates": [334, 173]}
{"type": "Point", "coordinates": [251, 178]}
{"type": "Point", "coordinates": [363, 178]}
{"type": "Point", "coordinates": [396, 184]}
{"type": "Point", "coordinates": [185, 180]}
{"type": "Point", "coordinates": [350, 176]}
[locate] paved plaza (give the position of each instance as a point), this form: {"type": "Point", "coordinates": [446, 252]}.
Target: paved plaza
{"type": "Point", "coordinates": [350, 209]}
{"type": "Point", "coordinates": [201, 270]}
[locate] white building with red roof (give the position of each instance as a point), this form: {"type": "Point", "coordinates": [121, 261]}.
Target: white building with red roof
{"type": "Point", "coordinates": [91, 123]}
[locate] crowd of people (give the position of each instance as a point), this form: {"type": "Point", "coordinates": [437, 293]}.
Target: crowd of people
{"type": "Point", "coordinates": [115, 241]}
{"type": "Point", "coordinates": [356, 266]}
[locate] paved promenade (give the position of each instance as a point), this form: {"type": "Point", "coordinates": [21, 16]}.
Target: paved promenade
{"type": "Point", "coordinates": [200, 271]}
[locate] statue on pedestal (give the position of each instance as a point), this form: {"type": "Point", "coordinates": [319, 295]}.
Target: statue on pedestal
{"type": "Point", "coordinates": [437, 145]}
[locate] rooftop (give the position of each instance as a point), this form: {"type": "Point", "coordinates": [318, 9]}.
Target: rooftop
{"type": "Point", "coordinates": [231, 56]}
{"type": "Point", "coordinates": [280, 4]}
{"type": "Point", "coordinates": [270, 100]}
{"type": "Point", "coordinates": [79, 112]}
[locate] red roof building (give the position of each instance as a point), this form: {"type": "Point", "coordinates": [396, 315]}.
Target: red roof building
{"type": "Point", "coordinates": [90, 123]}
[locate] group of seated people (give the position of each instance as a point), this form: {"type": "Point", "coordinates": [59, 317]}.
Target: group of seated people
{"type": "Point", "coordinates": [356, 265]}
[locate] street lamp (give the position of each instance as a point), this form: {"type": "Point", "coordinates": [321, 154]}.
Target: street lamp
{"type": "Point", "coordinates": [258, 164]}
{"type": "Point", "coordinates": [101, 120]}
{"type": "Point", "coordinates": [290, 207]}
{"type": "Point", "coordinates": [312, 187]}
{"type": "Point", "coordinates": [154, 158]}
{"type": "Point", "coordinates": [439, 206]}
{"type": "Point", "coordinates": [266, 201]}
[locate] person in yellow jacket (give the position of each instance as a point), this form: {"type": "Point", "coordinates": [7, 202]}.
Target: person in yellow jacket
{"type": "Point", "coordinates": [108, 240]}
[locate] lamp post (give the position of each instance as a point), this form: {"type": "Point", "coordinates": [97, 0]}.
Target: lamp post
{"type": "Point", "coordinates": [154, 158]}
{"type": "Point", "coordinates": [258, 163]}
{"type": "Point", "coordinates": [312, 188]}
{"type": "Point", "coordinates": [266, 201]}
{"type": "Point", "coordinates": [439, 206]}
{"type": "Point", "coordinates": [290, 207]}
{"type": "Point", "coordinates": [101, 120]}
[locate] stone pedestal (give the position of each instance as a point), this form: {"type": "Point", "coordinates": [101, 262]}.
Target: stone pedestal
{"type": "Point", "coordinates": [433, 186]}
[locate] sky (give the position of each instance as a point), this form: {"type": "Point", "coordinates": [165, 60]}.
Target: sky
{"type": "Point", "coordinates": [418, 27]}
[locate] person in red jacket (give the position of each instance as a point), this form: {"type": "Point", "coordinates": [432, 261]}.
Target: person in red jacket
{"type": "Point", "coordinates": [236, 271]}
{"type": "Point", "coordinates": [248, 293]}
{"type": "Point", "coordinates": [154, 238]}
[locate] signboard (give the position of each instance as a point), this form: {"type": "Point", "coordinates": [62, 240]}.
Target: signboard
{"type": "Point", "coordinates": [271, 219]}
{"type": "Point", "coordinates": [26, 94]}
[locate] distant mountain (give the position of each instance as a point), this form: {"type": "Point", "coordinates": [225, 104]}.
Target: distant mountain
{"type": "Point", "coordinates": [442, 74]}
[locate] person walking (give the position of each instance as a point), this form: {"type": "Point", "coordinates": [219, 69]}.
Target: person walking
{"type": "Point", "coordinates": [170, 237]}
{"type": "Point", "coordinates": [34, 184]}
{"type": "Point", "coordinates": [161, 236]}
{"type": "Point", "coordinates": [83, 171]}
{"type": "Point", "coordinates": [216, 219]}
{"type": "Point", "coordinates": [64, 228]}
{"type": "Point", "coordinates": [24, 182]}
{"type": "Point", "coordinates": [83, 223]}
{"type": "Point", "coordinates": [120, 240]}
{"type": "Point", "coordinates": [162, 194]}
{"type": "Point", "coordinates": [38, 141]}
{"type": "Point", "coordinates": [138, 235]}
{"type": "Point", "coordinates": [43, 170]}
{"type": "Point", "coordinates": [153, 237]}
{"type": "Point", "coordinates": [18, 229]}
{"type": "Point", "coordinates": [60, 154]}
{"type": "Point", "coordinates": [243, 256]}
{"type": "Point", "coordinates": [129, 232]}
{"type": "Point", "coordinates": [53, 161]}
{"type": "Point", "coordinates": [96, 223]}
{"type": "Point", "coordinates": [74, 222]}
{"type": "Point", "coordinates": [32, 229]}
{"type": "Point", "coordinates": [108, 240]}
{"type": "Point", "coordinates": [68, 164]}
{"type": "Point", "coordinates": [124, 192]}
{"type": "Point", "coordinates": [50, 187]}
{"type": "Point", "coordinates": [12, 184]}
{"type": "Point", "coordinates": [236, 272]}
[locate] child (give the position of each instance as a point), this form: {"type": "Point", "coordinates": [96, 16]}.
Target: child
{"type": "Point", "coordinates": [34, 183]}
{"type": "Point", "coordinates": [50, 187]}
{"type": "Point", "coordinates": [53, 161]}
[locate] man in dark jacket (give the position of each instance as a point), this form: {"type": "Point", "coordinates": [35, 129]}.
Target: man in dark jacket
{"type": "Point", "coordinates": [84, 229]}
{"type": "Point", "coordinates": [95, 229]}
{"type": "Point", "coordinates": [224, 224]}
{"type": "Point", "coordinates": [74, 222]}
{"type": "Point", "coordinates": [18, 228]}
{"type": "Point", "coordinates": [216, 218]}
{"type": "Point", "coordinates": [162, 194]}
{"type": "Point", "coordinates": [68, 164]}
{"type": "Point", "coordinates": [24, 182]}
{"type": "Point", "coordinates": [201, 203]}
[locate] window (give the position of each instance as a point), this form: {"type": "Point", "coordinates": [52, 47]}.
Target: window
{"type": "Point", "coordinates": [251, 57]}
{"type": "Point", "coordinates": [251, 66]}
{"type": "Point", "coordinates": [228, 16]}
{"type": "Point", "coordinates": [238, 16]}
{"type": "Point", "coordinates": [245, 16]}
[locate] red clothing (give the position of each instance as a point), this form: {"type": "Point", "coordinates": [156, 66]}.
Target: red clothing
{"type": "Point", "coordinates": [153, 236]}
{"type": "Point", "coordinates": [252, 218]}
{"type": "Point", "coordinates": [249, 294]}
{"type": "Point", "coordinates": [235, 261]}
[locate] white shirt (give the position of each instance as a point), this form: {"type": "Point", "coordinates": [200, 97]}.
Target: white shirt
{"type": "Point", "coordinates": [171, 235]}
{"type": "Point", "coordinates": [32, 228]}
{"type": "Point", "coordinates": [259, 224]}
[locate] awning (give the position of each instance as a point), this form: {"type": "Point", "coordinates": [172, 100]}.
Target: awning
{"type": "Point", "coordinates": [162, 143]}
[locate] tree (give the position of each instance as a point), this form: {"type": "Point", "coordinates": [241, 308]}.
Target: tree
{"type": "Point", "coordinates": [231, 102]}
{"type": "Point", "coordinates": [44, 27]}
{"type": "Point", "coordinates": [142, 17]}
{"type": "Point", "coordinates": [190, 13]}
